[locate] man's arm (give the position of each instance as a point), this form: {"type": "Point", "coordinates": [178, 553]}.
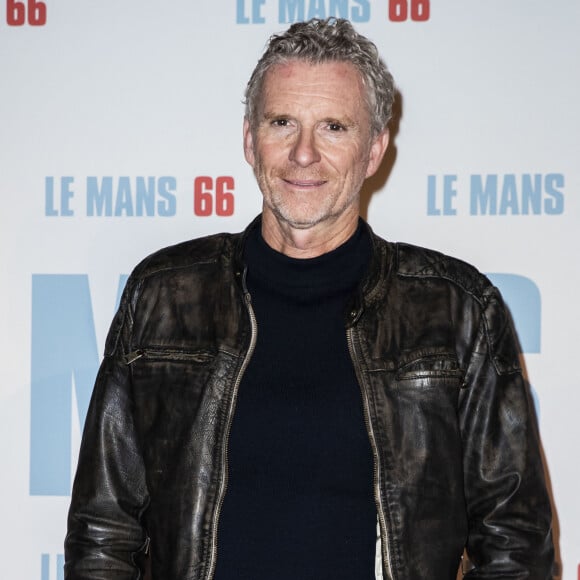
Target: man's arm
{"type": "Point", "coordinates": [105, 536]}
{"type": "Point", "coordinates": [507, 502]}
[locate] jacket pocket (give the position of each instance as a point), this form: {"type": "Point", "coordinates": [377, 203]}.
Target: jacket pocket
{"type": "Point", "coordinates": [161, 354]}
{"type": "Point", "coordinates": [422, 399]}
{"type": "Point", "coordinates": [177, 395]}
{"type": "Point", "coordinates": [173, 388]}
{"type": "Point", "coordinates": [429, 367]}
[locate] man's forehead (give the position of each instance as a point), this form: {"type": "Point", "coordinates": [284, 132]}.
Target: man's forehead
{"type": "Point", "coordinates": [289, 69]}
{"type": "Point", "coordinates": [328, 80]}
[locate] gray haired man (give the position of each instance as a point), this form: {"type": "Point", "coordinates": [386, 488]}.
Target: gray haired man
{"type": "Point", "coordinates": [305, 400]}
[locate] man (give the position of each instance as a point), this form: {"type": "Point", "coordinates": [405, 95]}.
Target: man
{"type": "Point", "coordinates": [269, 400]}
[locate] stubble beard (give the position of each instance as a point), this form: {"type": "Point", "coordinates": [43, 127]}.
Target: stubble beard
{"type": "Point", "coordinates": [308, 215]}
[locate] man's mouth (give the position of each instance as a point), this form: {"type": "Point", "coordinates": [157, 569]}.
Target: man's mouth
{"type": "Point", "coordinates": [305, 183]}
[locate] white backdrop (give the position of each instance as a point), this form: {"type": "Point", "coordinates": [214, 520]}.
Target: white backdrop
{"type": "Point", "coordinates": [111, 112]}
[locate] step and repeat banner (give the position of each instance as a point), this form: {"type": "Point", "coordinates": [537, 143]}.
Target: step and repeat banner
{"type": "Point", "coordinates": [120, 133]}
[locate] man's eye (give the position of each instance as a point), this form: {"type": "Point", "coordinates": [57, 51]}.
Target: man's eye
{"type": "Point", "coordinates": [280, 122]}
{"type": "Point", "coordinates": [335, 127]}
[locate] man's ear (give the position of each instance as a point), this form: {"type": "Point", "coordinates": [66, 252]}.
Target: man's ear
{"type": "Point", "coordinates": [378, 149]}
{"type": "Point", "coordinates": [248, 143]}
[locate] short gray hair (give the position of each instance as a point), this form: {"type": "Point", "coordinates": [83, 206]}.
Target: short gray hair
{"type": "Point", "coordinates": [331, 40]}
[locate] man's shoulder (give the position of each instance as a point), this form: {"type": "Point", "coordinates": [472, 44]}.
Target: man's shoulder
{"type": "Point", "coordinates": [411, 261]}
{"type": "Point", "coordinates": [209, 249]}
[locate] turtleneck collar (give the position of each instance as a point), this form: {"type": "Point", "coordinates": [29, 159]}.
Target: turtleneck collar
{"type": "Point", "coordinates": [337, 271]}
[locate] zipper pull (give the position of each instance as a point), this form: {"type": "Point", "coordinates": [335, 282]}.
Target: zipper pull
{"type": "Point", "coordinates": [133, 356]}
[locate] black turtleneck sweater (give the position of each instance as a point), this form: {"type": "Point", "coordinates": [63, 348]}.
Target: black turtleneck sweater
{"type": "Point", "coordinates": [299, 503]}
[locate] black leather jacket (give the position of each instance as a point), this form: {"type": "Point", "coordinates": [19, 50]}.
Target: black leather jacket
{"type": "Point", "coordinates": [455, 447]}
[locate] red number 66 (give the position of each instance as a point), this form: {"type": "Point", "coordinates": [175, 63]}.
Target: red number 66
{"type": "Point", "coordinates": [399, 10]}
{"type": "Point", "coordinates": [16, 13]}
{"type": "Point", "coordinates": [204, 196]}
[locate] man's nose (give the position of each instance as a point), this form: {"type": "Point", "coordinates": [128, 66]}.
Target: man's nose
{"type": "Point", "coordinates": [304, 151]}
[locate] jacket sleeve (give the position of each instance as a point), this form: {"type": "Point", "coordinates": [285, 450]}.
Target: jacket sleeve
{"type": "Point", "coordinates": [106, 538]}
{"type": "Point", "coordinates": [508, 507]}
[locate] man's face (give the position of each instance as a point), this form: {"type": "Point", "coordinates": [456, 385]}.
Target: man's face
{"type": "Point", "coordinates": [311, 147]}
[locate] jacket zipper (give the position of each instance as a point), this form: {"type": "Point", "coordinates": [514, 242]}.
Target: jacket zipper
{"type": "Point", "coordinates": [139, 353]}
{"type": "Point", "coordinates": [224, 481]}
{"type": "Point", "coordinates": [131, 357]}
{"type": "Point", "coordinates": [376, 475]}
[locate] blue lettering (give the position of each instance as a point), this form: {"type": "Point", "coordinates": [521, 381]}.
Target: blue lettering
{"type": "Point", "coordinates": [449, 192]}
{"type": "Point", "coordinates": [241, 17]}
{"type": "Point", "coordinates": [257, 17]}
{"type": "Point", "coordinates": [124, 202]}
{"type": "Point", "coordinates": [483, 197]}
{"type": "Point", "coordinates": [316, 9]}
{"type": "Point", "coordinates": [122, 282]}
{"type": "Point", "coordinates": [100, 199]}
{"type": "Point", "coordinates": [362, 13]}
{"type": "Point", "coordinates": [290, 11]}
{"type": "Point", "coordinates": [338, 8]}
{"type": "Point", "coordinates": [524, 300]}
{"type": "Point", "coordinates": [432, 208]}
{"type": "Point", "coordinates": [509, 196]}
{"type": "Point", "coordinates": [520, 195]}
{"type": "Point", "coordinates": [145, 195]}
{"type": "Point", "coordinates": [63, 356]}
{"type": "Point", "coordinates": [142, 202]}
{"type": "Point", "coordinates": [66, 194]}
{"type": "Point", "coordinates": [167, 206]}
{"type": "Point", "coordinates": [49, 209]}
{"type": "Point", "coordinates": [555, 204]}
{"type": "Point", "coordinates": [295, 10]}
{"type": "Point", "coordinates": [45, 567]}
{"type": "Point", "coordinates": [531, 194]}
{"type": "Point", "coordinates": [257, 11]}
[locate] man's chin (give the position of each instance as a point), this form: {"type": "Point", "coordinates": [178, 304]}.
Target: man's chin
{"type": "Point", "coordinates": [299, 222]}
